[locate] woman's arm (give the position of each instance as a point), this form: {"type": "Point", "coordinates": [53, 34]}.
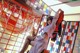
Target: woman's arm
{"type": "Point", "coordinates": [33, 43]}
{"type": "Point", "coordinates": [50, 28]}
{"type": "Point", "coordinates": [56, 17]}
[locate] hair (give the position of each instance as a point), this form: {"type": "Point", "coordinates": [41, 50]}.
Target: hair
{"type": "Point", "coordinates": [46, 33]}
{"type": "Point", "coordinates": [49, 18]}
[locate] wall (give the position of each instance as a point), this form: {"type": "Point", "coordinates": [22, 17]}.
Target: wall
{"type": "Point", "coordinates": [72, 18]}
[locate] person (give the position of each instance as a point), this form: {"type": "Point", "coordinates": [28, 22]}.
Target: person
{"type": "Point", "coordinates": [39, 44]}
{"type": "Point", "coordinates": [28, 41]}
{"type": "Point", "coordinates": [52, 22]}
{"type": "Point", "coordinates": [49, 29]}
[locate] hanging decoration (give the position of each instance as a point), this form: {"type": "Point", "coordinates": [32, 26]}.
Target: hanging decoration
{"type": "Point", "coordinates": [14, 18]}
{"type": "Point", "coordinates": [69, 35]}
{"type": "Point", "coordinates": [41, 6]}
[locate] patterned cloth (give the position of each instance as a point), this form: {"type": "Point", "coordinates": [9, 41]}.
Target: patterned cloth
{"type": "Point", "coordinates": [69, 31]}
{"type": "Point", "coordinates": [69, 35]}
{"type": "Point", "coordinates": [54, 46]}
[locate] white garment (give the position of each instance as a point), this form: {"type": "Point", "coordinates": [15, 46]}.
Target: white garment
{"type": "Point", "coordinates": [50, 28]}
{"type": "Point", "coordinates": [38, 45]}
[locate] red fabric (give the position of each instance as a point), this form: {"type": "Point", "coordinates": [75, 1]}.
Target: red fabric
{"type": "Point", "coordinates": [70, 41]}
{"type": "Point", "coordinates": [24, 14]}
{"type": "Point", "coordinates": [63, 26]}
{"type": "Point", "coordinates": [4, 15]}
{"type": "Point", "coordinates": [72, 34]}
{"type": "Point", "coordinates": [77, 23]}
{"type": "Point", "coordinates": [68, 30]}
{"type": "Point", "coordinates": [14, 9]}
{"type": "Point", "coordinates": [68, 26]}
{"type": "Point", "coordinates": [0, 8]}
{"type": "Point", "coordinates": [12, 22]}
{"type": "Point", "coordinates": [64, 48]}
{"type": "Point", "coordinates": [0, 5]}
{"type": "Point", "coordinates": [5, 4]}
{"type": "Point", "coordinates": [56, 29]}
{"type": "Point", "coordinates": [68, 37]}
{"type": "Point", "coordinates": [46, 51]}
{"type": "Point", "coordinates": [33, 1]}
{"type": "Point", "coordinates": [60, 19]}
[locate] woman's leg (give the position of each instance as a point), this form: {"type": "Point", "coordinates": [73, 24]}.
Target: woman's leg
{"type": "Point", "coordinates": [26, 44]}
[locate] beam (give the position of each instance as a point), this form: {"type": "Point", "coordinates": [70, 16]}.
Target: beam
{"type": "Point", "coordinates": [62, 3]}
{"type": "Point", "coordinates": [72, 14]}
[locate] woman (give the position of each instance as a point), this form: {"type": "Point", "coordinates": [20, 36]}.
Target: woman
{"type": "Point", "coordinates": [39, 44]}
{"type": "Point", "coordinates": [49, 29]}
